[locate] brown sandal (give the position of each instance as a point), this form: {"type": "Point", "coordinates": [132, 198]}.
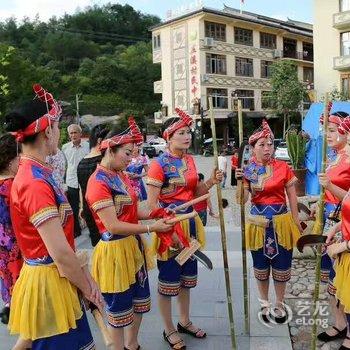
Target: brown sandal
{"type": "Point", "coordinates": [184, 329]}
{"type": "Point", "coordinates": [177, 345]}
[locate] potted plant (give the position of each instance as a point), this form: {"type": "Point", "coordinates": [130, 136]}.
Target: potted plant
{"type": "Point", "coordinates": [296, 146]}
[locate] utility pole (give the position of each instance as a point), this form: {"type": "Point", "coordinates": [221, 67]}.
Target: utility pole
{"type": "Point", "coordinates": [77, 115]}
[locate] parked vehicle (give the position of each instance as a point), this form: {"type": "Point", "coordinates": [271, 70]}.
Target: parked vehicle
{"type": "Point", "coordinates": [281, 152]}
{"type": "Point", "coordinates": [148, 150]}
{"type": "Point", "coordinates": [155, 147]}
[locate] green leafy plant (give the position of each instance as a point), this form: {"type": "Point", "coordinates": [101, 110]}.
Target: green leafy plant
{"type": "Point", "coordinates": [296, 145]}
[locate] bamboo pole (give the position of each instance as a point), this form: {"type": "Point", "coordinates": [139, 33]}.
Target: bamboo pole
{"type": "Point", "coordinates": [320, 224]}
{"type": "Point", "coordinates": [223, 231]}
{"type": "Point", "coordinates": [244, 250]}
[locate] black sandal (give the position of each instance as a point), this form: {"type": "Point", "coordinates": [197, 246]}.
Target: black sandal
{"type": "Point", "coordinates": [280, 319]}
{"type": "Point", "coordinates": [326, 337]}
{"type": "Point", "coordinates": [175, 346]}
{"type": "Point", "coordinates": [5, 315]}
{"type": "Point", "coordinates": [343, 347]}
{"type": "Point", "coordinates": [184, 329]}
{"type": "Point", "coordinates": [138, 348]}
{"type": "Point", "coordinates": [265, 317]}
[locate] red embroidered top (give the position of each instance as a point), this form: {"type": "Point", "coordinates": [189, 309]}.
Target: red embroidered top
{"type": "Point", "coordinates": [338, 172]}
{"type": "Point", "coordinates": [177, 177]}
{"type": "Point", "coordinates": [35, 199]}
{"type": "Point", "coordinates": [267, 183]}
{"type": "Point", "coordinates": [107, 188]}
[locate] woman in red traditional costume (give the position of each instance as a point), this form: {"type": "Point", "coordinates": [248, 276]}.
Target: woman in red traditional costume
{"type": "Point", "coordinates": [271, 231]}
{"type": "Point", "coordinates": [120, 262]}
{"type": "Point", "coordinates": [137, 165]}
{"type": "Point", "coordinates": [46, 305]}
{"type": "Point", "coordinates": [336, 181]}
{"type": "Point", "coordinates": [172, 180]}
{"type": "Point", "coordinates": [10, 256]}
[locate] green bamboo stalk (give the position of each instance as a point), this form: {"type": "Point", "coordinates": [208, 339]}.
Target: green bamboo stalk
{"type": "Point", "coordinates": [244, 250]}
{"type": "Point", "coordinates": [320, 224]}
{"type": "Point", "coordinates": [223, 231]}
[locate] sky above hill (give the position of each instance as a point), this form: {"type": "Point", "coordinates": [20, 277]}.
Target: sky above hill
{"type": "Point", "coordinates": [300, 10]}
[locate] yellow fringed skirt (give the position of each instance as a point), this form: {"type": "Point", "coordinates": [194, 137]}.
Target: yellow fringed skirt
{"type": "Point", "coordinates": [342, 280]}
{"type": "Point", "coordinates": [43, 303]}
{"type": "Point", "coordinates": [287, 231]}
{"type": "Point", "coordinates": [115, 264]}
{"type": "Point", "coordinates": [185, 224]}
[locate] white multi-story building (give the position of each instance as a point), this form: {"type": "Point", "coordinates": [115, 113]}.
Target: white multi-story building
{"type": "Point", "coordinates": [332, 46]}
{"type": "Point", "coordinates": [206, 52]}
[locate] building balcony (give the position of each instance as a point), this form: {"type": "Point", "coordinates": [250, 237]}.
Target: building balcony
{"type": "Point", "coordinates": [341, 62]}
{"type": "Point", "coordinates": [293, 55]}
{"type": "Point", "coordinates": [158, 87]}
{"type": "Point", "coordinates": [157, 56]}
{"type": "Point", "coordinates": [224, 81]}
{"type": "Point", "coordinates": [341, 20]}
{"type": "Point", "coordinates": [237, 50]}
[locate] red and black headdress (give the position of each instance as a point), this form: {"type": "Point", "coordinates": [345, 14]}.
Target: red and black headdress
{"type": "Point", "coordinates": [263, 132]}
{"type": "Point", "coordinates": [135, 131]}
{"type": "Point", "coordinates": [131, 135]}
{"type": "Point", "coordinates": [185, 120]}
{"type": "Point", "coordinates": [54, 111]}
{"type": "Point", "coordinates": [344, 126]}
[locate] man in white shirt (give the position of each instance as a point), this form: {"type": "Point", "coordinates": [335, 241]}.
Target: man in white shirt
{"type": "Point", "coordinates": [223, 167]}
{"type": "Point", "coordinates": [74, 151]}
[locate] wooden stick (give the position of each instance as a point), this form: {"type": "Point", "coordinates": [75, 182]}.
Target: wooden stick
{"type": "Point", "coordinates": [192, 202]}
{"type": "Point", "coordinates": [244, 250]}
{"type": "Point", "coordinates": [181, 218]}
{"type": "Point", "coordinates": [320, 224]}
{"type": "Point", "coordinates": [223, 232]}
{"type": "Point", "coordinates": [103, 329]}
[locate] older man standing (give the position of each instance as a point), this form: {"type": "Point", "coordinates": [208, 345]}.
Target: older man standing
{"type": "Point", "coordinates": [74, 151]}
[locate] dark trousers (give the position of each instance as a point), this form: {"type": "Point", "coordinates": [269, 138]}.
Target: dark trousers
{"type": "Point", "coordinates": [90, 223]}
{"type": "Point", "coordinates": [73, 199]}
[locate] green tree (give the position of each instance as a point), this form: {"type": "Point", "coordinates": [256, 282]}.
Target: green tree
{"type": "Point", "coordinates": [287, 91]}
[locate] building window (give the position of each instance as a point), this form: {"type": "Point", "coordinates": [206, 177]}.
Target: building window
{"type": "Point", "coordinates": [266, 70]}
{"type": "Point", "coordinates": [156, 41]}
{"type": "Point", "coordinates": [345, 43]}
{"type": "Point", "coordinates": [216, 31]}
{"type": "Point", "coordinates": [219, 96]}
{"type": "Point", "coordinates": [244, 67]}
{"type": "Point", "coordinates": [344, 5]}
{"type": "Point", "coordinates": [243, 36]}
{"type": "Point", "coordinates": [268, 41]}
{"type": "Point", "coordinates": [308, 51]}
{"type": "Point", "coordinates": [345, 85]}
{"type": "Point", "coordinates": [247, 98]}
{"type": "Point", "coordinates": [216, 64]}
{"type": "Point", "coordinates": [290, 48]}
{"type": "Point", "coordinates": [266, 102]}
{"type": "Point", "coordinates": [308, 74]}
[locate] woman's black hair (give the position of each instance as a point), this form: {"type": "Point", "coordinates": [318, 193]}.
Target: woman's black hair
{"type": "Point", "coordinates": [200, 177]}
{"type": "Point", "coordinates": [97, 132]}
{"type": "Point", "coordinates": [340, 114]}
{"type": "Point", "coordinates": [23, 115]}
{"type": "Point", "coordinates": [8, 150]}
{"type": "Point", "coordinates": [113, 132]}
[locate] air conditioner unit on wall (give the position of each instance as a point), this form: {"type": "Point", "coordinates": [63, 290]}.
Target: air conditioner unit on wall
{"type": "Point", "coordinates": [205, 78]}
{"type": "Point", "coordinates": [208, 42]}
{"type": "Point", "coordinates": [277, 54]}
{"type": "Point", "coordinates": [158, 117]}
